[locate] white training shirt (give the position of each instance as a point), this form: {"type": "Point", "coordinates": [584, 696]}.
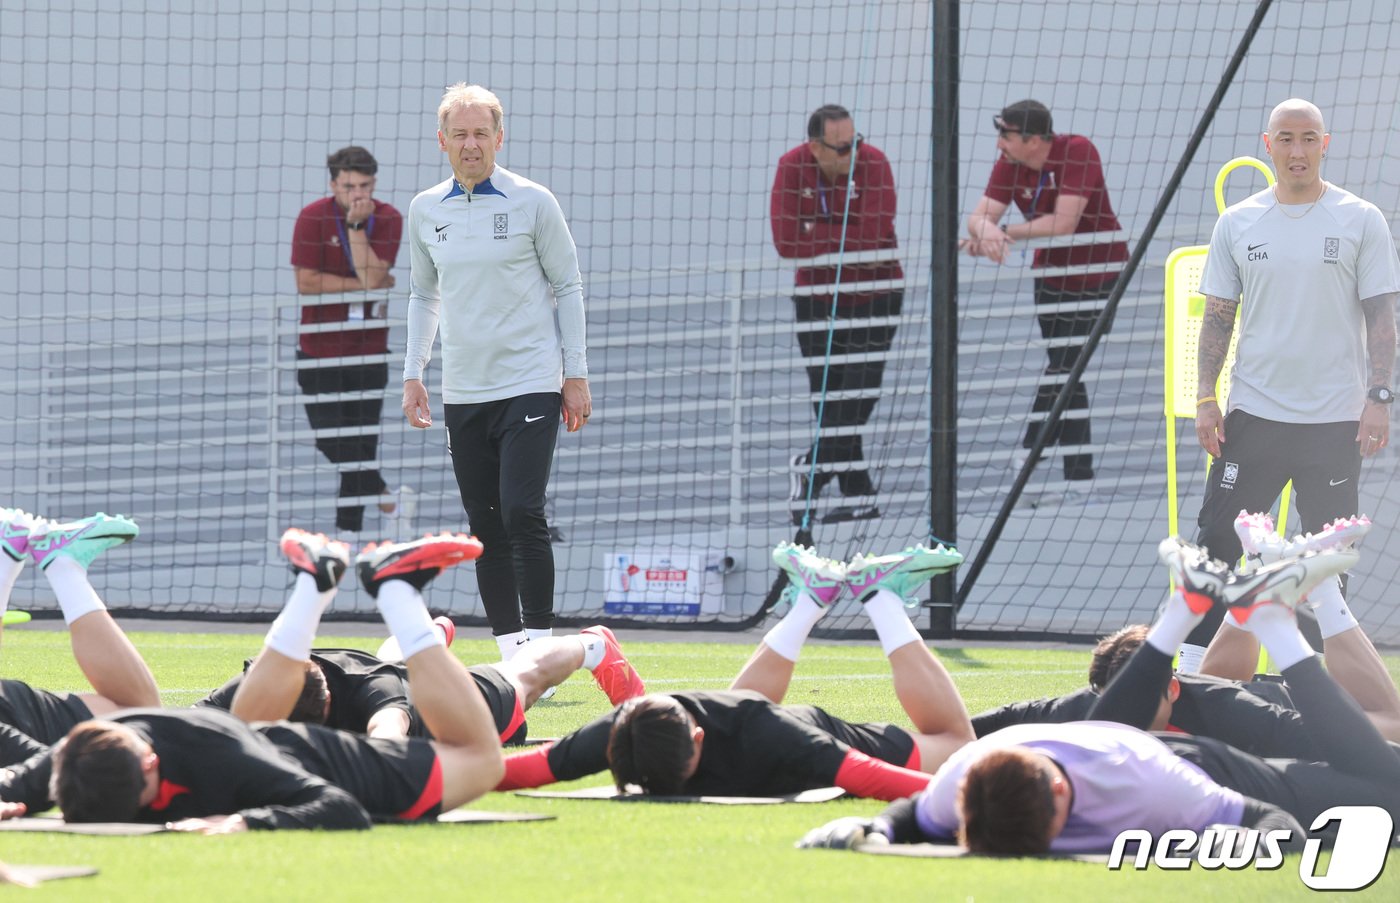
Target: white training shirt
{"type": "Point", "coordinates": [1301, 356]}
{"type": "Point", "coordinates": [497, 273]}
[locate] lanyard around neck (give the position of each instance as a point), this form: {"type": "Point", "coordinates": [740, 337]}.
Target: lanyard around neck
{"type": "Point", "coordinates": [1035, 199]}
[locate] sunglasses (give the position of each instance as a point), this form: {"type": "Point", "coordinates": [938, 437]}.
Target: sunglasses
{"type": "Point", "coordinates": [1003, 129]}
{"type": "Point", "coordinates": [842, 150]}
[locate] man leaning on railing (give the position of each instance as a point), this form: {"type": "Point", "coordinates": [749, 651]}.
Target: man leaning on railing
{"type": "Point", "coordinates": [1057, 183]}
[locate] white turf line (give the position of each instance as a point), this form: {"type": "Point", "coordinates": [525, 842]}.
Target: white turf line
{"type": "Point", "coordinates": [696, 682]}
{"type": "Point", "coordinates": [826, 678]}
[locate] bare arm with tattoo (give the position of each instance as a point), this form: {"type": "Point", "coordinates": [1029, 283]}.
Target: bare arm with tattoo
{"type": "Point", "coordinates": [1373, 433]}
{"type": "Point", "coordinates": [1213, 344]}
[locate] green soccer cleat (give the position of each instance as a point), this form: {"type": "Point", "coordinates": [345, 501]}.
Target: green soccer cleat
{"type": "Point", "coordinates": [81, 540]}
{"type": "Point", "coordinates": [902, 573]}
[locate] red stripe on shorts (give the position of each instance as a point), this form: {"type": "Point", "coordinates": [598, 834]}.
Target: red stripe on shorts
{"type": "Point", "coordinates": [432, 794]}
{"type": "Point", "coordinates": [517, 718]}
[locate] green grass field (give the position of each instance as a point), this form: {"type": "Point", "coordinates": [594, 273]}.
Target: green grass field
{"type": "Point", "coordinates": [598, 850]}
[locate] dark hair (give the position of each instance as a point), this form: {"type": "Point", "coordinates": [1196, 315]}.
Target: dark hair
{"type": "Point", "coordinates": [97, 773]}
{"type": "Point", "coordinates": [1112, 653]}
{"type": "Point", "coordinates": [354, 159]}
{"type": "Point", "coordinates": [816, 124]}
{"type": "Point", "coordinates": [650, 745]}
{"type": "Point", "coordinates": [315, 696]}
{"type": "Point", "coordinates": [1029, 117]}
{"type": "Point", "coordinates": [1005, 804]}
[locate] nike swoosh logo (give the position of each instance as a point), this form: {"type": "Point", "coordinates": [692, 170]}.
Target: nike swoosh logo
{"type": "Point", "coordinates": [529, 419]}
{"type": "Point", "coordinates": [1337, 482]}
{"type": "Point", "coordinates": [1242, 593]}
{"type": "Point", "coordinates": [440, 228]}
{"type": "Point", "coordinates": [1258, 246]}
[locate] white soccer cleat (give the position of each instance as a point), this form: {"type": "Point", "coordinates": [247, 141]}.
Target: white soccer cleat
{"type": "Point", "coordinates": [1285, 582]}
{"type": "Point", "coordinates": [1200, 578]}
{"type": "Point", "coordinates": [1263, 545]}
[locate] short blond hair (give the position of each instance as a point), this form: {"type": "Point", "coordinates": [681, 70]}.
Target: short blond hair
{"type": "Point", "coordinates": [465, 95]}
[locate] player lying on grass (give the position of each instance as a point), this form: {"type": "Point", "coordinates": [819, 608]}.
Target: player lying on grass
{"type": "Point", "coordinates": [1351, 658]}
{"type": "Point", "coordinates": [1075, 787]}
{"type": "Point", "coordinates": [743, 742]}
{"type": "Point", "coordinates": [352, 690]}
{"type": "Point", "coordinates": [116, 671]}
{"type": "Point", "coordinates": [205, 770]}
{"type": "Point", "coordinates": [1254, 715]}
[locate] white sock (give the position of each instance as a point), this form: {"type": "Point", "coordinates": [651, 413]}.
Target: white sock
{"type": "Point", "coordinates": [593, 650]}
{"type": "Point", "coordinates": [389, 649]}
{"type": "Point", "coordinates": [1174, 624]}
{"type": "Point", "coordinates": [401, 606]}
{"type": "Point", "coordinates": [510, 643]}
{"type": "Point", "coordinates": [295, 628]}
{"type": "Point", "coordinates": [70, 584]}
{"type": "Point", "coordinates": [1277, 629]}
{"type": "Point", "coordinates": [1189, 658]}
{"type": "Point", "coordinates": [788, 635]}
{"type": "Point", "coordinates": [537, 633]}
{"type": "Point", "coordinates": [892, 625]}
{"type": "Point", "coordinates": [1329, 607]}
{"type": "Point", "coordinates": [9, 573]}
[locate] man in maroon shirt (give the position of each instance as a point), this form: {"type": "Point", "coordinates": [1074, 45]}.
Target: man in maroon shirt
{"type": "Point", "coordinates": [1057, 182]}
{"type": "Point", "coordinates": [346, 243]}
{"type": "Point", "coordinates": [822, 203]}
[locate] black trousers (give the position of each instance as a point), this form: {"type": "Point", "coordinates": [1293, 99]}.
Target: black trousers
{"type": "Point", "coordinates": [1359, 767]}
{"type": "Point", "coordinates": [327, 415]}
{"type": "Point", "coordinates": [502, 452]}
{"type": "Point", "coordinates": [1322, 459]}
{"type": "Point", "coordinates": [1060, 360]}
{"type": "Point", "coordinates": [865, 377]}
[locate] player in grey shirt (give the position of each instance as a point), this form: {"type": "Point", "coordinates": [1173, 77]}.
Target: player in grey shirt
{"type": "Point", "coordinates": [495, 268]}
{"type": "Point", "coordinates": [1312, 270]}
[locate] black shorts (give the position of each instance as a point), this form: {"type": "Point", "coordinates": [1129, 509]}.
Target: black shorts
{"type": "Point", "coordinates": [885, 742]}
{"type": "Point", "coordinates": [45, 716]}
{"type": "Point", "coordinates": [1302, 789]}
{"type": "Point", "coordinates": [1260, 456]}
{"type": "Point", "coordinates": [390, 778]}
{"type": "Point", "coordinates": [503, 702]}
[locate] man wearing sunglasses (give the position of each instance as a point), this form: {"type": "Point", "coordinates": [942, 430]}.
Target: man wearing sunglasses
{"type": "Point", "coordinates": [834, 193]}
{"type": "Point", "coordinates": [1057, 183]}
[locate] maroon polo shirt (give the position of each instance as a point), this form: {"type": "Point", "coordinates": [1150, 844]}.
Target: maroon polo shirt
{"type": "Point", "coordinates": [807, 212]}
{"type": "Point", "coordinates": [1073, 168]}
{"type": "Point", "coordinates": [318, 243]}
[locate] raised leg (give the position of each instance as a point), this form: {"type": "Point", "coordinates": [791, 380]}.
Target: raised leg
{"type": "Point", "coordinates": [106, 656]}
{"type": "Point", "coordinates": [274, 681]}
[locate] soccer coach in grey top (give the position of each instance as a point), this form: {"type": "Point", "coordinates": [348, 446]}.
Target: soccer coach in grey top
{"type": "Point", "coordinates": [1313, 271]}
{"type": "Point", "coordinates": [495, 268]}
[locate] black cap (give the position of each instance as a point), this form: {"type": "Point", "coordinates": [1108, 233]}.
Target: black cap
{"type": "Point", "coordinates": [1029, 117]}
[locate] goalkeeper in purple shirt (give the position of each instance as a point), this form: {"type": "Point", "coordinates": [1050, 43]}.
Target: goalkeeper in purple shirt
{"type": "Point", "coordinates": [1075, 787]}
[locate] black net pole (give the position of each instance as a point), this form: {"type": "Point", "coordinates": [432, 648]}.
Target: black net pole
{"type": "Point", "coordinates": [943, 321]}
